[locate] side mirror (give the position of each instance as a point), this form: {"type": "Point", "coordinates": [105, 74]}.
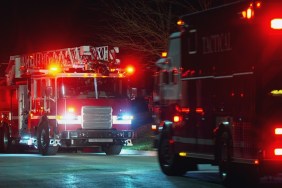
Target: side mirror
{"type": "Point", "coordinates": [132, 93]}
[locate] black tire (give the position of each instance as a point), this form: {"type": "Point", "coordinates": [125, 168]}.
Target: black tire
{"type": "Point", "coordinates": [4, 139]}
{"type": "Point", "coordinates": [43, 140]}
{"type": "Point", "coordinates": [170, 162]}
{"type": "Point", "coordinates": [113, 149]}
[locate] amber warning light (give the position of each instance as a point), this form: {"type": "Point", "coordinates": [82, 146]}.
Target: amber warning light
{"type": "Point", "coordinates": [54, 68]}
{"type": "Point", "coordinates": [180, 23]}
{"type": "Point", "coordinates": [164, 54]}
{"type": "Point", "coordinates": [276, 23]}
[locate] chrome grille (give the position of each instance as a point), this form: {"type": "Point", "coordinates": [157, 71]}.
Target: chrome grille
{"type": "Point", "coordinates": [94, 117]}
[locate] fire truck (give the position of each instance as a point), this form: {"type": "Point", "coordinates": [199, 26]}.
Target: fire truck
{"type": "Point", "coordinates": [218, 92]}
{"type": "Point", "coordinates": [69, 98]}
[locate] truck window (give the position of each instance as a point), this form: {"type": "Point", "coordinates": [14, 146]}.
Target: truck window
{"type": "Point", "coordinates": [91, 87]}
{"type": "Point", "coordinates": [192, 41]}
{"type": "Point", "coordinates": [165, 77]}
{"type": "Point", "coordinates": [170, 77]}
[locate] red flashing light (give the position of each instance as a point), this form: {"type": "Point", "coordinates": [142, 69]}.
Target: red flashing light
{"type": "Point", "coordinates": [176, 119]}
{"type": "Point", "coordinates": [200, 110]}
{"type": "Point", "coordinates": [278, 131]}
{"type": "Point", "coordinates": [276, 23]}
{"type": "Point", "coordinates": [130, 69]}
{"type": "Point", "coordinates": [258, 4]}
{"type": "Point", "coordinates": [278, 151]}
{"type": "Point", "coordinates": [185, 110]}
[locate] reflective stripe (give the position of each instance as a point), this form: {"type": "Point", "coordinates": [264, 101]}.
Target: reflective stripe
{"type": "Point", "coordinates": [200, 141]}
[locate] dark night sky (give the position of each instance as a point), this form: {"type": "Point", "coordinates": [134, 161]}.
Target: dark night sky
{"type": "Point", "coordinates": [36, 25]}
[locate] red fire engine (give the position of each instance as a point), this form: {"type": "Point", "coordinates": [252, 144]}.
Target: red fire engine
{"type": "Point", "coordinates": [219, 92]}
{"type": "Point", "coordinates": [69, 98]}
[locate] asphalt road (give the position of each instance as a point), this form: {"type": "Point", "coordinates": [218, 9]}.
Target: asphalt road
{"type": "Point", "coordinates": [73, 170]}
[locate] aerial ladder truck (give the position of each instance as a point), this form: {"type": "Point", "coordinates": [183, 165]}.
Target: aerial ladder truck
{"type": "Point", "coordinates": [67, 98]}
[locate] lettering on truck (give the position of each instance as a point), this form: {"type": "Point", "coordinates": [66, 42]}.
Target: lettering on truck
{"type": "Point", "coordinates": [216, 43]}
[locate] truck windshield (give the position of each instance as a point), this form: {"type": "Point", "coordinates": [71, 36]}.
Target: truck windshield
{"type": "Point", "coordinates": [77, 87]}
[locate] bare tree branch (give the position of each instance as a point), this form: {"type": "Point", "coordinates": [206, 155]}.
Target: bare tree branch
{"type": "Point", "coordinates": [144, 25]}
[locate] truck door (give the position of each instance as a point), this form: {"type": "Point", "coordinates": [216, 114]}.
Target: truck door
{"type": "Point", "coordinates": [205, 124]}
{"type": "Point", "coordinates": [198, 98]}
{"type": "Point", "coordinates": [23, 102]}
{"type": "Point", "coordinates": [189, 102]}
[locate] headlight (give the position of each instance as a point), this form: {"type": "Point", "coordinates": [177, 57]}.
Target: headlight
{"type": "Point", "coordinates": [69, 119]}
{"type": "Point", "coordinates": [125, 117]}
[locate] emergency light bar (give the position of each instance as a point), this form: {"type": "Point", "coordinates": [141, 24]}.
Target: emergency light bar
{"type": "Point", "coordinates": [249, 13]}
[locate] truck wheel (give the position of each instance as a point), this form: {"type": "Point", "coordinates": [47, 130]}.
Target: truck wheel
{"type": "Point", "coordinates": [4, 139]}
{"type": "Point", "coordinates": [171, 163]}
{"type": "Point", "coordinates": [43, 140]}
{"type": "Point", "coordinates": [113, 149]}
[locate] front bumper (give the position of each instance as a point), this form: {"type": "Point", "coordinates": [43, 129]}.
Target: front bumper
{"type": "Point", "coordinates": [89, 137]}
